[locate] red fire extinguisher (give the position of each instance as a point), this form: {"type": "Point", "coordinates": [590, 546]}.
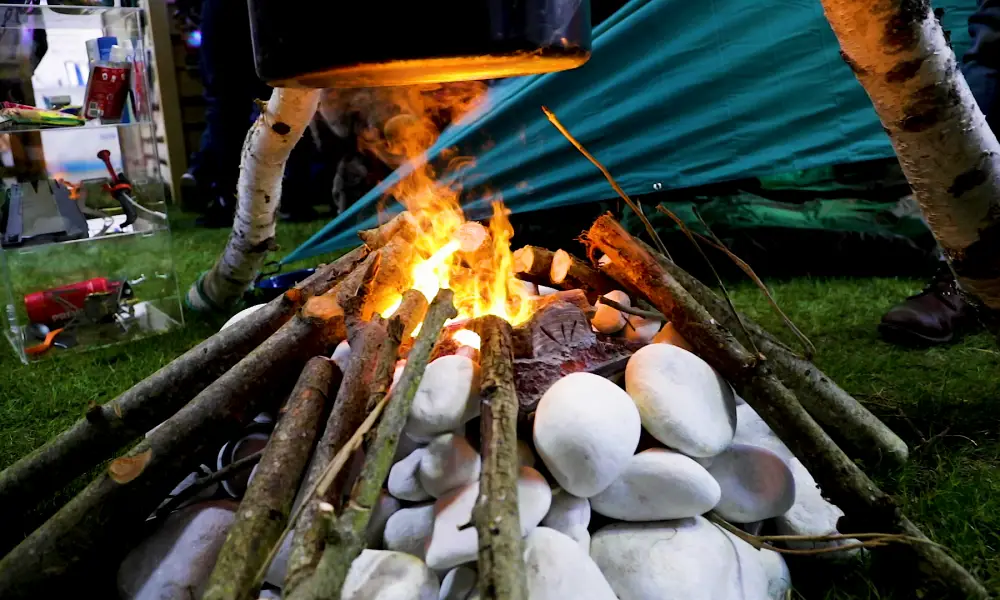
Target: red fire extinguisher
{"type": "Point", "coordinates": [61, 304]}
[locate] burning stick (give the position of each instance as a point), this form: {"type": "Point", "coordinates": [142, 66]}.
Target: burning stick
{"type": "Point", "coordinates": [104, 517]}
{"type": "Point", "coordinates": [867, 507]}
{"type": "Point", "coordinates": [402, 225]}
{"type": "Point", "coordinates": [347, 534]}
{"type": "Point", "coordinates": [472, 236]}
{"type": "Point", "coordinates": [411, 311]}
{"type": "Point", "coordinates": [533, 264]}
{"type": "Point", "coordinates": [567, 270]}
{"type": "Point", "coordinates": [374, 345]}
{"type": "Point", "coordinates": [264, 510]}
{"type": "Point", "coordinates": [37, 477]}
{"type": "Point", "coordinates": [501, 564]}
{"type": "Point", "coordinates": [393, 277]}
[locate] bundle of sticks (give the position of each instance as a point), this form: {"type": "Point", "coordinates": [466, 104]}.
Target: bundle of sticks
{"type": "Point", "coordinates": [279, 354]}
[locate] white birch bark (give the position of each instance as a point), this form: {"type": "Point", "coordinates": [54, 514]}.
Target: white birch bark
{"type": "Point", "coordinates": [948, 153]}
{"type": "Point", "coordinates": [262, 164]}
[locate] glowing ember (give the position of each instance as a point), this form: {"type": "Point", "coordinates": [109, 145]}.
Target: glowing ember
{"type": "Point", "coordinates": [467, 338]}
{"type": "Point", "coordinates": [473, 261]}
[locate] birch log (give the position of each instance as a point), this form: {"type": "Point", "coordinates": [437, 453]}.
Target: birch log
{"type": "Point", "coordinates": [262, 165]}
{"type": "Point", "coordinates": [951, 158]}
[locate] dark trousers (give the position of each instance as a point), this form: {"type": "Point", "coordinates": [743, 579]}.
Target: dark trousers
{"type": "Point", "coordinates": [231, 85]}
{"type": "Point", "coordinates": [981, 64]}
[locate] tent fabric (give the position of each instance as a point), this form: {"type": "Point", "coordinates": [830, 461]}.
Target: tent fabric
{"type": "Point", "coordinates": [676, 94]}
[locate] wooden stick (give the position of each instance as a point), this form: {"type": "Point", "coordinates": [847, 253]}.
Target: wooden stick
{"type": "Point", "coordinates": [411, 311]}
{"type": "Point", "coordinates": [569, 270]}
{"type": "Point", "coordinates": [323, 482]}
{"type": "Point", "coordinates": [403, 225]}
{"type": "Point", "coordinates": [635, 206]}
{"type": "Point", "coordinates": [393, 276]}
{"type": "Point", "coordinates": [373, 354]}
{"type": "Point", "coordinates": [501, 561]}
{"type": "Point", "coordinates": [646, 314]}
{"type": "Point", "coordinates": [867, 507]}
{"type": "Point", "coordinates": [233, 468]}
{"type": "Point", "coordinates": [37, 476]}
{"type": "Point", "coordinates": [533, 264]}
{"type": "Point", "coordinates": [102, 519]}
{"type": "Point", "coordinates": [264, 511]}
{"type": "Point", "coordinates": [347, 534]}
{"type": "Point", "coordinates": [328, 276]}
{"type": "Point", "coordinates": [864, 434]}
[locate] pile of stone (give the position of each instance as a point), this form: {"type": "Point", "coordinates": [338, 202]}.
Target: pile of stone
{"type": "Point", "coordinates": [648, 456]}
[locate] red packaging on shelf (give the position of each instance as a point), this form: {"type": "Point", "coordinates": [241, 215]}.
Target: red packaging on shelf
{"type": "Point", "coordinates": [107, 91]}
{"type": "Point", "coordinates": [62, 303]}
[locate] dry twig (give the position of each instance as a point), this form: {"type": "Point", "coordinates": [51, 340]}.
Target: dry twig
{"type": "Point", "coordinates": [629, 310]}
{"type": "Point", "coordinates": [607, 175]}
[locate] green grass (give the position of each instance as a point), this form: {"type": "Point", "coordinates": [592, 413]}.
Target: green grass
{"type": "Point", "coordinates": [942, 401]}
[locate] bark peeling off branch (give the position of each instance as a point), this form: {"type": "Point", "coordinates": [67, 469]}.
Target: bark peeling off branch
{"type": "Point", "coordinates": [949, 154]}
{"type": "Point", "coordinates": [265, 151]}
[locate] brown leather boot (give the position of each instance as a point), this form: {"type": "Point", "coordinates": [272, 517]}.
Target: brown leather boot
{"type": "Point", "coordinates": [938, 315]}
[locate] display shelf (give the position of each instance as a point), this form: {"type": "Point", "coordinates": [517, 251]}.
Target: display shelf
{"type": "Point", "coordinates": [81, 265]}
{"type": "Point", "coordinates": [97, 291]}
{"type": "Point", "coordinates": [85, 127]}
{"type": "Point", "coordinates": [34, 16]}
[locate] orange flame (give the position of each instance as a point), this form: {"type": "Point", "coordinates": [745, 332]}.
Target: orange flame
{"type": "Point", "coordinates": [402, 123]}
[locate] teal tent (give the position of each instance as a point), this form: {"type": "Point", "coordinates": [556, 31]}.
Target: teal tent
{"type": "Point", "coordinates": [677, 94]}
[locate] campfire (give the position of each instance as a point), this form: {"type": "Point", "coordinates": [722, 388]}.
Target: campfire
{"type": "Point", "coordinates": [531, 423]}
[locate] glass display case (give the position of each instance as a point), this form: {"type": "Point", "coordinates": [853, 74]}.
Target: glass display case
{"type": "Point", "coordinates": [85, 254]}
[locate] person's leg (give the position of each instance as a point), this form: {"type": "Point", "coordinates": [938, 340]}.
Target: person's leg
{"type": "Point", "coordinates": [981, 64]}
{"type": "Point", "coordinates": [231, 85]}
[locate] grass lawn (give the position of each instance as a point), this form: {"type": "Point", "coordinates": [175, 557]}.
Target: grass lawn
{"type": "Point", "coordinates": [942, 401]}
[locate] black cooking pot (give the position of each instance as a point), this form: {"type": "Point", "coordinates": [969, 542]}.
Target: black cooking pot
{"type": "Point", "coordinates": [366, 43]}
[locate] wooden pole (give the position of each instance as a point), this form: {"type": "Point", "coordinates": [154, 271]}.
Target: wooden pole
{"type": "Point", "coordinates": [346, 538]}
{"type": "Point", "coordinates": [268, 144]}
{"type": "Point", "coordinates": [264, 511]}
{"type": "Point", "coordinates": [501, 560]}
{"type": "Point", "coordinates": [864, 435]}
{"type": "Point", "coordinates": [867, 507]}
{"type": "Point", "coordinates": [900, 55]}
